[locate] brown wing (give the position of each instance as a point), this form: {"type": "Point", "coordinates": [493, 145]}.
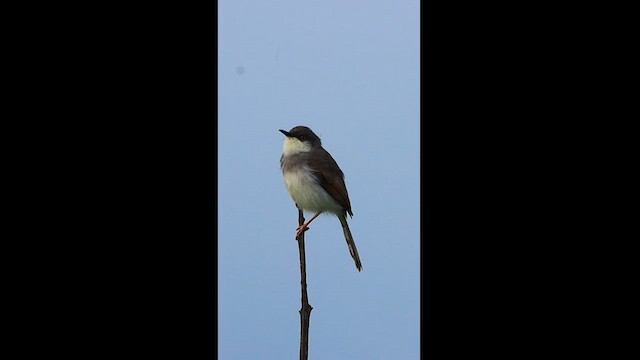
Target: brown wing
{"type": "Point", "coordinates": [331, 177]}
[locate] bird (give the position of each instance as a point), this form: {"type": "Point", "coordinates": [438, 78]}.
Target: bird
{"type": "Point", "coordinates": [315, 182]}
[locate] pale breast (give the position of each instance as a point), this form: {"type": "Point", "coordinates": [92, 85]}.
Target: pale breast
{"type": "Point", "coordinates": [305, 191]}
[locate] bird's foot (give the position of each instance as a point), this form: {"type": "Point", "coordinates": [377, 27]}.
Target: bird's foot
{"type": "Point", "coordinates": [302, 228]}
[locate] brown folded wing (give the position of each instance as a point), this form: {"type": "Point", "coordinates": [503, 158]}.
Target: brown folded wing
{"type": "Point", "coordinates": [330, 177]}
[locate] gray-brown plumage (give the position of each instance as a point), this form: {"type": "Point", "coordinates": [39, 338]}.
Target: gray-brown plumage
{"type": "Point", "coordinates": [315, 182]}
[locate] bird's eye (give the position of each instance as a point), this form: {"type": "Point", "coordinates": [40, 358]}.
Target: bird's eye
{"type": "Point", "coordinates": [302, 137]}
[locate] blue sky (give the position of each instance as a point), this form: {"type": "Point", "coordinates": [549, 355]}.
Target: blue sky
{"type": "Point", "coordinates": [350, 71]}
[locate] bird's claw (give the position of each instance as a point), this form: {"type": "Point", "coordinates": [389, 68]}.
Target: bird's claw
{"type": "Point", "coordinates": [300, 230]}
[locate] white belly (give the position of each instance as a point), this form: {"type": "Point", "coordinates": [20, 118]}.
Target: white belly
{"type": "Point", "coordinates": [307, 194]}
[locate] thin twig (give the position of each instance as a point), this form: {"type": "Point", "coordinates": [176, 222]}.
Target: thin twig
{"type": "Point", "coordinates": [305, 310]}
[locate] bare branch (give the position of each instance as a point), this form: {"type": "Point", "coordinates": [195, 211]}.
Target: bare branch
{"type": "Point", "coordinates": [305, 310]}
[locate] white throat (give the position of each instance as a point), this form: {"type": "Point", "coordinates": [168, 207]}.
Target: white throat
{"type": "Point", "coordinates": [294, 146]}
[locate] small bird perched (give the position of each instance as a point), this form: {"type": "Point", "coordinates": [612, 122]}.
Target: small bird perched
{"type": "Point", "coordinates": [315, 182]}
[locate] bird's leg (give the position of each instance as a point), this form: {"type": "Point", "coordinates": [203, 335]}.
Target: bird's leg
{"type": "Point", "coordinates": [304, 227]}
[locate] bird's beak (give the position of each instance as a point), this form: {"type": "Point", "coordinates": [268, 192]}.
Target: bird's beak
{"type": "Point", "coordinates": [286, 133]}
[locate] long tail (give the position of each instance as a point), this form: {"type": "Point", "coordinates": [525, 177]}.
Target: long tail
{"type": "Point", "coordinates": [350, 243]}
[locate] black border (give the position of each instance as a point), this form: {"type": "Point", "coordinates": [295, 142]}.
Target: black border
{"type": "Point", "coordinates": [131, 104]}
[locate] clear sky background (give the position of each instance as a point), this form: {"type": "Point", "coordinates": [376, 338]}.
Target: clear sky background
{"type": "Point", "coordinates": [350, 71]}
